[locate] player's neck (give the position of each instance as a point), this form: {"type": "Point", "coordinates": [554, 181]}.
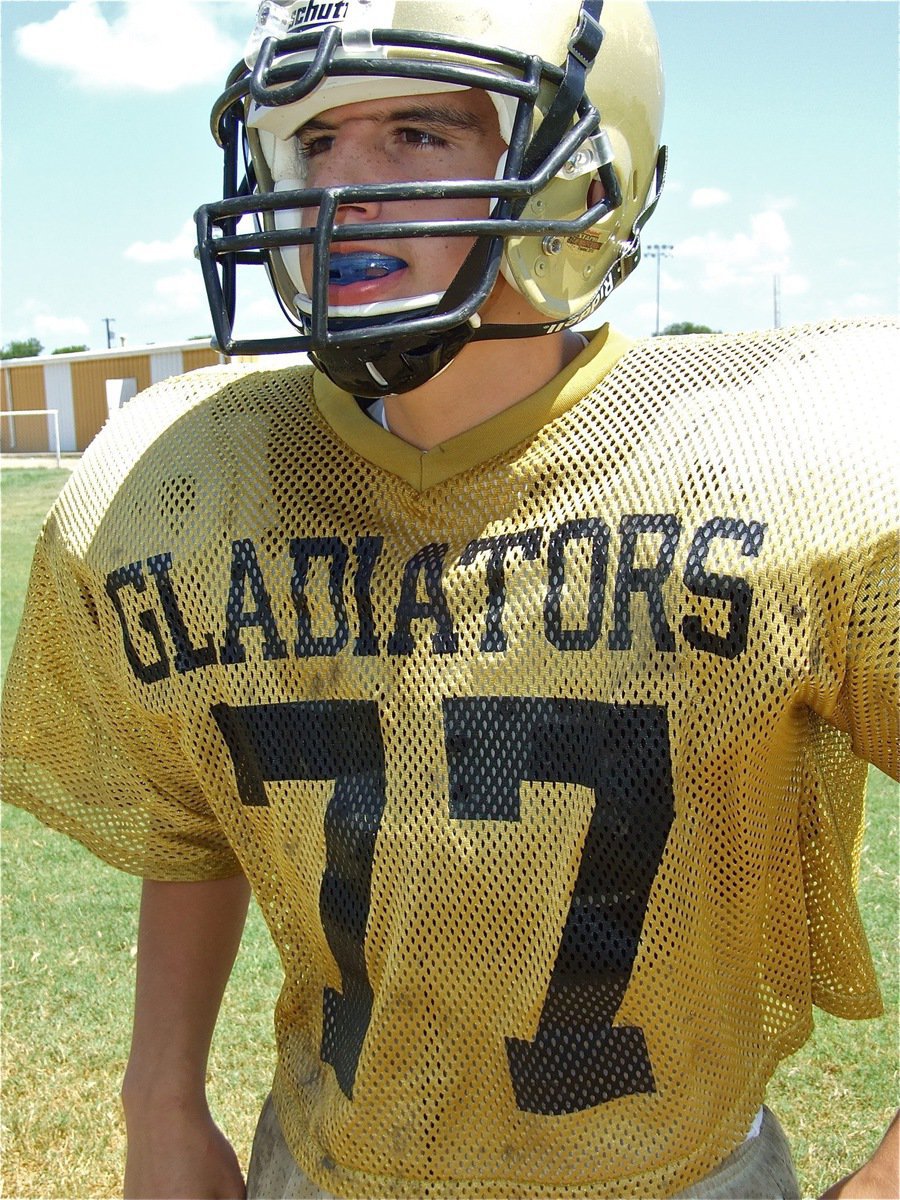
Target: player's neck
{"type": "Point", "coordinates": [484, 379]}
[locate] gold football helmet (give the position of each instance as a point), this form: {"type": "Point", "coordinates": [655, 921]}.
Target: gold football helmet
{"type": "Point", "coordinates": [579, 96]}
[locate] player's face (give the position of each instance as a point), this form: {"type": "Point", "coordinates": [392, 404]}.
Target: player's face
{"type": "Point", "coordinates": [451, 135]}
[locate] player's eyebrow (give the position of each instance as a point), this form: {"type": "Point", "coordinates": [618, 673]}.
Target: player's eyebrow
{"type": "Point", "coordinates": [439, 115]}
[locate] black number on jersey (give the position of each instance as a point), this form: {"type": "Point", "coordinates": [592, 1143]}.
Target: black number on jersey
{"type": "Point", "coordinates": [325, 739]}
{"type": "Point", "coordinates": [621, 752]}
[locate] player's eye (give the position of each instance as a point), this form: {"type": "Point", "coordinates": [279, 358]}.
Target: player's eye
{"type": "Point", "coordinates": [416, 136]}
{"type": "Point", "coordinates": [313, 144]}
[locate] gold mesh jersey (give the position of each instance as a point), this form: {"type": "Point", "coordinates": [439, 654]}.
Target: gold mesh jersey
{"type": "Point", "coordinates": [544, 751]}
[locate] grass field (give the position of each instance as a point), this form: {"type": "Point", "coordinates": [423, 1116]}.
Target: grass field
{"type": "Point", "coordinates": [69, 926]}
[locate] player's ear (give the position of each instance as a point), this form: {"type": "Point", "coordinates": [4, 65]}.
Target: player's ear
{"type": "Point", "coordinates": [595, 194]}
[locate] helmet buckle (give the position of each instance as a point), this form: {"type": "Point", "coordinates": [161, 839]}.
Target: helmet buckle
{"type": "Point", "coordinates": [586, 38]}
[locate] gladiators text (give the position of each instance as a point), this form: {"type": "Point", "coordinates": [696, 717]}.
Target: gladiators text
{"type": "Point", "coordinates": [637, 562]}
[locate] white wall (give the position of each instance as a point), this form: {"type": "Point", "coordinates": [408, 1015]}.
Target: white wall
{"type": "Point", "coordinates": [164, 364]}
{"type": "Point", "coordinates": [58, 392]}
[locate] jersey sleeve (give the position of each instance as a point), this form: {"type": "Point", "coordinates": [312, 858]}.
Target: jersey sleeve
{"type": "Point", "coordinates": [859, 727]}
{"type": "Point", "coordinates": [81, 755]}
{"type": "Point", "coordinates": [868, 700]}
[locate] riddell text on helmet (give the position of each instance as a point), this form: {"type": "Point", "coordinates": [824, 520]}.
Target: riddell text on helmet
{"type": "Point", "coordinates": [325, 571]}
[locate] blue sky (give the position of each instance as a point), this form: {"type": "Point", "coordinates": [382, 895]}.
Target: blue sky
{"type": "Point", "coordinates": [781, 120]}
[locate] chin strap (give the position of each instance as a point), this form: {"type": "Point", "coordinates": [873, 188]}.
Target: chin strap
{"type": "Point", "coordinates": [394, 365]}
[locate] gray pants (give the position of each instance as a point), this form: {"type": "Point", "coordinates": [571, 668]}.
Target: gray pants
{"type": "Point", "coordinates": [760, 1168]}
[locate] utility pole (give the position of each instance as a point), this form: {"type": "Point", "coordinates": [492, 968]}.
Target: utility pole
{"type": "Point", "coordinates": [110, 336]}
{"type": "Point", "coordinates": [659, 251]}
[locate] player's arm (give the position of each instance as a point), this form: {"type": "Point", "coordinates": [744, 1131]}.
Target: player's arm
{"type": "Point", "coordinates": [187, 941]}
{"type": "Point", "coordinates": [879, 1178]}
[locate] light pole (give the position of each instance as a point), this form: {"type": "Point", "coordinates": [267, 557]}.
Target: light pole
{"type": "Point", "coordinates": [658, 250]}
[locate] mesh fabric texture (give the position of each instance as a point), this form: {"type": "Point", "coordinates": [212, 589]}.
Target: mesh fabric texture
{"type": "Point", "coordinates": [544, 751]}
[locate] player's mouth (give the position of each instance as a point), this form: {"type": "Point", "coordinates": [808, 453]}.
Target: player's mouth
{"type": "Point", "coordinates": [359, 275]}
{"type": "Point", "coordinates": [360, 266]}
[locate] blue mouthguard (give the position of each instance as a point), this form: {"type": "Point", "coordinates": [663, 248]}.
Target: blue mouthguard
{"type": "Point", "coordinates": [361, 265]}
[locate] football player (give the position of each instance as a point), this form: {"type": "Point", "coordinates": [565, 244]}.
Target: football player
{"type": "Point", "coordinates": [528, 677]}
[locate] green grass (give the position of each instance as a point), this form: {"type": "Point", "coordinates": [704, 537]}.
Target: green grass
{"type": "Point", "coordinates": [836, 1095]}
{"type": "Point", "coordinates": [69, 934]}
{"type": "Point", "coordinates": [69, 931]}
{"type": "Point", "coordinates": [69, 938]}
{"type": "Point", "coordinates": [25, 497]}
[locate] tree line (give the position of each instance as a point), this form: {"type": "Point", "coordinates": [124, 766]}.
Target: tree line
{"type": "Point", "coordinates": [31, 348]}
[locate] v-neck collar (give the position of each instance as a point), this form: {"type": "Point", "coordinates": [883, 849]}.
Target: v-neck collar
{"type": "Point", "coordinates": [423, 469]}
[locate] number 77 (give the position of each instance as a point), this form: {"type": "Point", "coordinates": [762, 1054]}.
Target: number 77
{"type": "Point", "coordinates": [577, 1059]}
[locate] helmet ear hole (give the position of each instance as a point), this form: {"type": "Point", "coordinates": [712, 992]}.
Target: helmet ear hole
{"type": "Point", "coordinates": [596, 193]}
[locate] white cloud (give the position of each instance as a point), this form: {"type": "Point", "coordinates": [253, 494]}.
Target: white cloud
{"type": "Point", "coordinates": [861, 302]}
{"type": "Point", "coordinates": [646, 311]}
{"type": "Point", "coordinates": [855, 304]}
{"type": "Point", "coordinates": [781, 203]}
{"type": "Point", "coordinates": [794, 285]}
{"type": "Point", "coordinates": [60, 330]}
{"type": "Point", "coordinates": [182, 293]}
{"type": "Point", "coordinates": [180, 248]}
{"type": "Point", "coordinates": [34, 319]}
{"type": "Point", "coordinates": [742, 257]}
{"type": "Point", "coordinates": [709, 197]}
{"type": "Point", "coordinates": [154, 45]}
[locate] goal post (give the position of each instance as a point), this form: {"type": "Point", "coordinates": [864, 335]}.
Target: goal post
{"type": "Point", "coordinates": [53, 413]}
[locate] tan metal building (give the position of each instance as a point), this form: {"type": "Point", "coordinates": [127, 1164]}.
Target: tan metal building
{"type": "Point", "coordinates": [84, 389]}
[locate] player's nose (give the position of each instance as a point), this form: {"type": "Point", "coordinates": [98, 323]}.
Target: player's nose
{"type": "Point", "coordinates": [350, 166]}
